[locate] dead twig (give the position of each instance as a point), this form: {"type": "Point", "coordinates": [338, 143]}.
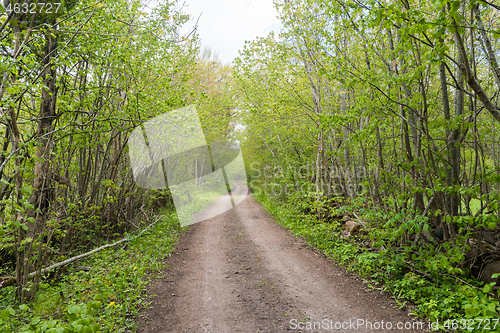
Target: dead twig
{"type": "Point", "coordinates": [12, 280]}
{"type": "Point", "coordinates": [18, 317]}
{"type": "Point", "coordinates": [448, 275]}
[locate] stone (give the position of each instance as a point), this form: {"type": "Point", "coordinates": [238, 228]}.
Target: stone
{"type": "Point", "coordinates": [489, 270]}
{"type": "Point", "coordinates": [489, 237]}
{"type": "Point", "coordinates": [350, 228]}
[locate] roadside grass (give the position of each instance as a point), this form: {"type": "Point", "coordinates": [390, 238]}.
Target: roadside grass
{"type": "Point", "coordinates": [200, 200]}
{"type": "Point", "coordinates": [455, 304]}
{"type": "Point", "coordinates": [106, 298]}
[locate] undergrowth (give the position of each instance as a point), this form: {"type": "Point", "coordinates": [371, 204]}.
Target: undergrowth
{"type": "Point", "coordinates": [106, 298]}
{"type": "Point", "coordinates": [439, 292]}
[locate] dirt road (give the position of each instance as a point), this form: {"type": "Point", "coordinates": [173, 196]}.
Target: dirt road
{"type": "Point", "coordinates": [241, 272]}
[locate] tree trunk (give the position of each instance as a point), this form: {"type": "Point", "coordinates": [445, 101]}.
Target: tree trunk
{"type": "Point", "coordinates": [43, 193]}
{"type": "Point", "coordinates": [454, 140]}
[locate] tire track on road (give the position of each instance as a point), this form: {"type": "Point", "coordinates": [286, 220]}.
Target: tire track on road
{"type": "Point", "coordinates": [242, 272]}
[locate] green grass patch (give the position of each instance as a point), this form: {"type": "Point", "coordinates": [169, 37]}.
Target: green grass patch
{"type": "Point", "coordinates": [105, 299]}
{"type": "Point", "coordinates": [197, 202]}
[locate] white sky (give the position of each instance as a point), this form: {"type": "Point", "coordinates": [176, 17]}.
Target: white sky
{"type": "Point", "coordinates": [225, 25]}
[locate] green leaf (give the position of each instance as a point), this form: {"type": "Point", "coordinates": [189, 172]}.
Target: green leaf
{"type": "Point", "coordinates": [454, 5]}
{"type": "Point", "coordinates": [87, 329]}
{"type": "Point", "coordinates": [96, 305]}
{"type": "Point", "coordinates": [5, 314]}
{"type": "Point", "coordinates": [75, 309]}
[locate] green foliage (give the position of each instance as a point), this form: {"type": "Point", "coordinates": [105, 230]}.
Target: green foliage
{"type": "Point", "coordinates": [357, 107]}
{"type": "Point", "coordinates": [105, 299]}
{"type": "Point", "coordinates": [65, 179]}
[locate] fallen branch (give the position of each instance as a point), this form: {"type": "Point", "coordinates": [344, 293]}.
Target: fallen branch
{"type": "Point", "coordinates": [418, 271]}
{"type": "Point", "coordinates": [364, 225]}
{"type": "Point", "coordinates": [18, 317]}
{"type": "Point", "coordinates": [470, 285]}
{"type": "Point", "coordinates": [9, 281]}
{"type": "Point", "coordinates": [78, 257]}
{"type": "Point", "coordinates": [448, 275]}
